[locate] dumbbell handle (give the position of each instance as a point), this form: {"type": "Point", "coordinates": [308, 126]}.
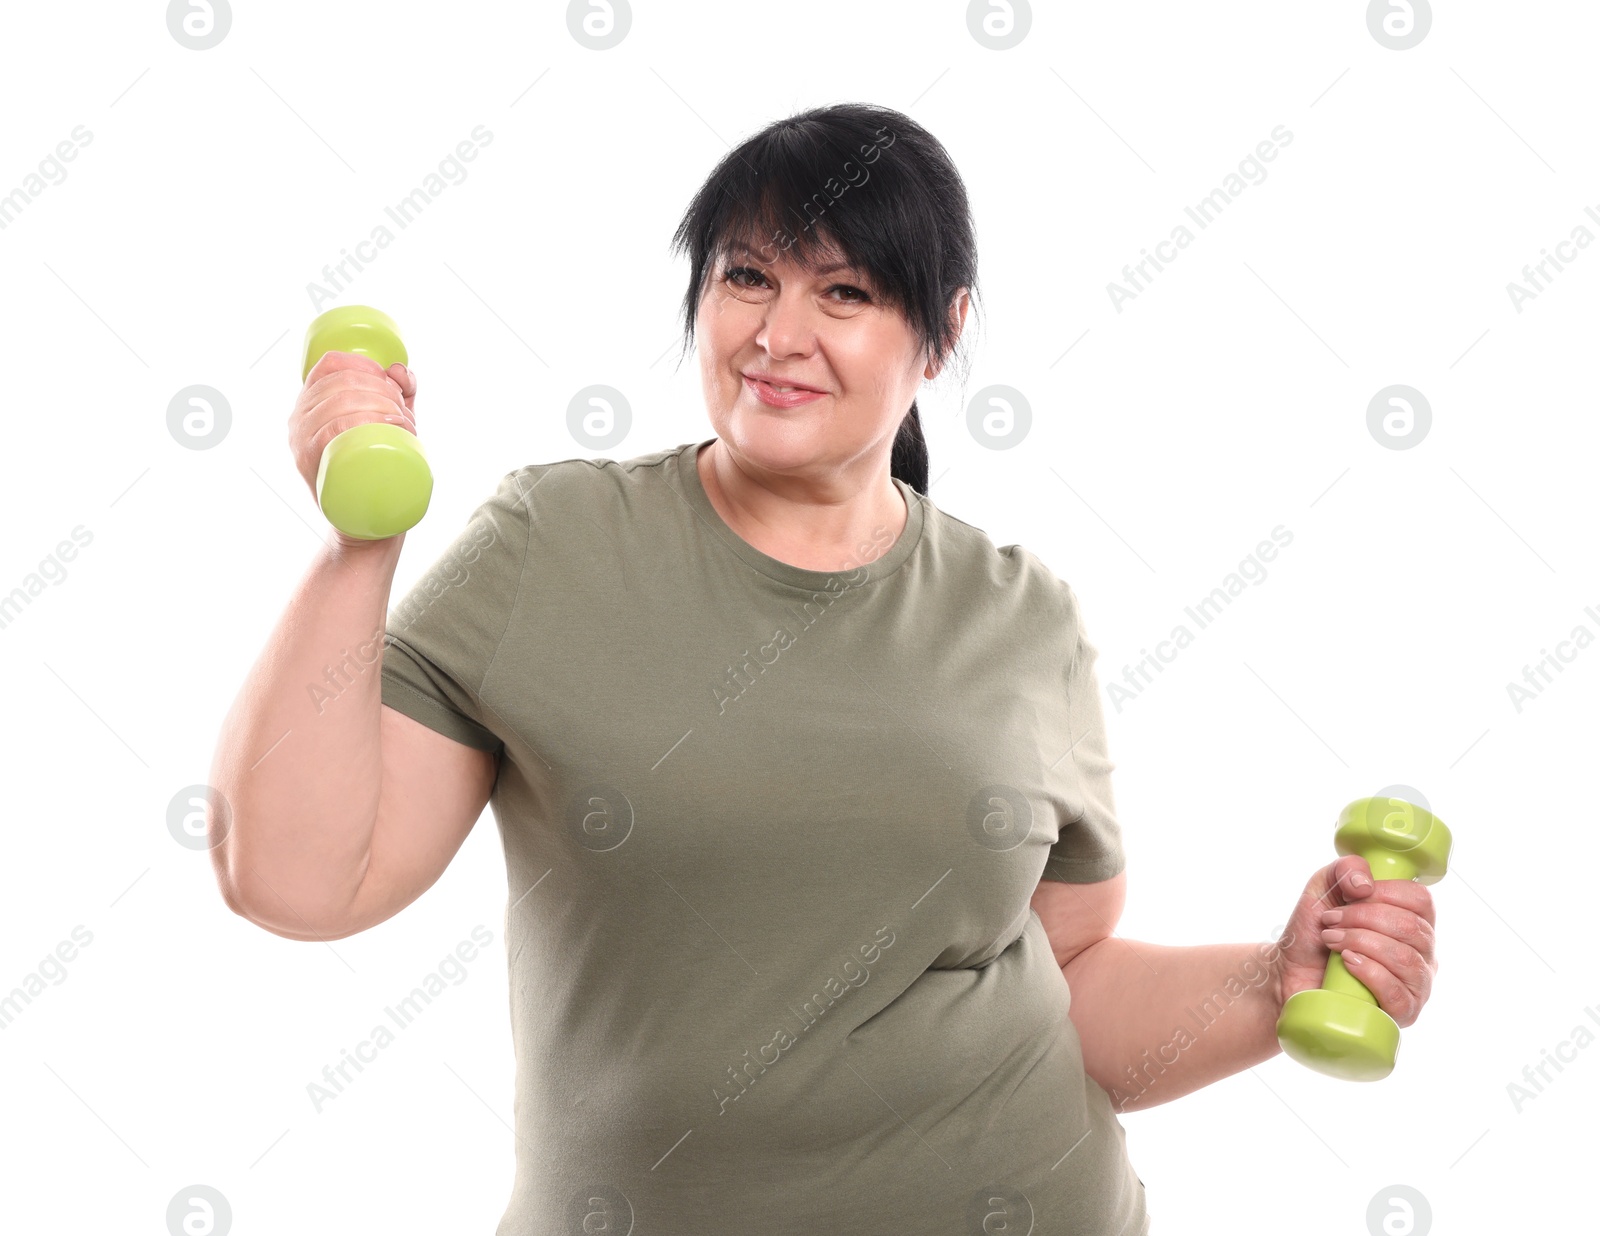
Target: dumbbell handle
{"type": "Point", "coordinates": [1386, 864]}
{"type": "Point", "coordinates": [373, 480]}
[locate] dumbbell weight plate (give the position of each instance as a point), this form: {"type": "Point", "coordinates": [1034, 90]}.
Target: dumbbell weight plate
{"type": "Point", "coordinates": [354, 328]}
{"type": "Point", "coordinates": [374, 481]}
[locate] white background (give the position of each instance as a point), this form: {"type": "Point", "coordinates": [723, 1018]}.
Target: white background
{"type": "Point", "coordinates": [1228, 398]}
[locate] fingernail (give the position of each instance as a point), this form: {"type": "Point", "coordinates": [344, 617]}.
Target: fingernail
{"type": "Point", "coordinates": [1359, 882]}
{"type": "Point", "coordinates": [1352, 959]}
{"type": "Point", "coordinates": [1330, 917]}
{"type": "Point", "coordinates": [1332, 937]}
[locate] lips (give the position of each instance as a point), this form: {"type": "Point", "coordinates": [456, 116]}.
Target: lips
{"type": "Point", "coordinates": [776, 381]}
{"type": "Point", "coordinates": [769, 395]}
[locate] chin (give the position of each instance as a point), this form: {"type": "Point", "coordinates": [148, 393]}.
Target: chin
{"type": "Point", "coordinates": [774, 447]}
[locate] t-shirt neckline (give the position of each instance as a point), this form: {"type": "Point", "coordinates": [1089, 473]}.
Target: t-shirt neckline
{"type": "Point", "coordinates": [871, 569]}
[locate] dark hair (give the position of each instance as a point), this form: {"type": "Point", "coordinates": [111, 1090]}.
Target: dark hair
{"type": "Point", "coordinates": [867, 180]}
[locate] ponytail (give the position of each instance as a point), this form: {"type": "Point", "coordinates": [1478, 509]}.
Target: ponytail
{"type": "Point", "coordinates": [909, 459]}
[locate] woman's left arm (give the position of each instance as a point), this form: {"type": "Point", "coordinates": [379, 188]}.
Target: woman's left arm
{"type": "Point", "coordinates": [1158, 1022]}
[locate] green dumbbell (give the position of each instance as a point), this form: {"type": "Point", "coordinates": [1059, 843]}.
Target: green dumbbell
{"type": "Point", "coordinates": [373, 480]}
{"type": "Point", "coordinates": [1339, 1029]}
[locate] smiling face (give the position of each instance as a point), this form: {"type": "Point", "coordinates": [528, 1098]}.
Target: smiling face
{"type": "Point", "coordinates": [827, 329]}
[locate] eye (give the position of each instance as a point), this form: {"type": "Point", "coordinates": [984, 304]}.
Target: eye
{"type": "Point", "coordinates": [737, 275]}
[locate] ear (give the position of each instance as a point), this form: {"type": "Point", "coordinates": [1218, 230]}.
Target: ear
{"type": "Point", "coordinates": [958, 320]}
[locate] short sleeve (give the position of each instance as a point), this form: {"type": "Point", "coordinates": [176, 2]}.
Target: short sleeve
{"type": "Point", "coordinates": [1090, 847]}
{"type": "Point", "coordinates": [442, 636]}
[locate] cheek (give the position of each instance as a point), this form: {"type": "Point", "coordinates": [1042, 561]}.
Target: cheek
{"type": "Point", "coordinates": [717, 350]}
{"type": "Point", "coordinates": [721, 328]}
{"type": "Point", "coordinates": [871, 370]}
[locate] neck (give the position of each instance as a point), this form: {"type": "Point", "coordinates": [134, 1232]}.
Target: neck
{"type": "Point", "coordinates": [808, 526]}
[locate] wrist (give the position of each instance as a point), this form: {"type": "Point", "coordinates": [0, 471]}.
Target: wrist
{"type": "Point", "coordinates": [358, 547]}
{"type": "Point", "coordinates": [1275, 985]}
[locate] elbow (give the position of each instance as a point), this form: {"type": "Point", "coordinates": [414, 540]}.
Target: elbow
{"type": "Point", "coordinates": [223, 868]}
{"type": "Point", "coordinates": [239, 901]}
{"type": "Point", "coordinates": [289, 926]}
{"type": "Point", "coordinates": [231, 899]}
{"type": "Point", "coordinates": [261, 906]}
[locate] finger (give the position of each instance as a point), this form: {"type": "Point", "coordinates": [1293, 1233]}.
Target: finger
{"type": "Point", "coordinates": [1395, 974]}
{"type": "Point", "coordinates": [311, 448]}
{"type": "Point", "coordinates": [327, 433]}
{"type": "Point", "coordinates": [351, 408]}
{"type": "Point", "coordinates": [409, 385]}
{"type": "Point", "coordinates": [1408, 895]}
{"type": "Point", "coordinates": [332, 362]}
{"type": "Point", "coordinates": [348, 379]}
{"type": "Point", "coordinates": [343, 399]}
{"type": "Point", "coordinates": [402, 374]}
{"type": "Point", "coordinates": [1400, 956]}
{"type": "Point", "coordinates": [1392, 922]}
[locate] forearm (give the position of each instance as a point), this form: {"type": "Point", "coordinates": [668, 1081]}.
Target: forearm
{"type": "Point", "coordinates": [1159, 1022]}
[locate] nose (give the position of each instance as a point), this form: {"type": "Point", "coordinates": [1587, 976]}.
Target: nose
{"type": "Point", "coordinates": [787, 327]}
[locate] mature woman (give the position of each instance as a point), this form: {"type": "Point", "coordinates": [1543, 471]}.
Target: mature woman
{"type": "Point", "coordinates": [803, 783]}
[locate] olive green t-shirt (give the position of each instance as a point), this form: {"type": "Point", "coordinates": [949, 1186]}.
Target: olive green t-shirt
{"type": "Point", "coordinates": [770, 837]}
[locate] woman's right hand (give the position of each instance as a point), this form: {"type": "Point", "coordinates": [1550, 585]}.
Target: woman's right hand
{"type": "Point", "coordinates": [345, 389]}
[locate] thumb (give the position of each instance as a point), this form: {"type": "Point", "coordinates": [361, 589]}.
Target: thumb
{"type": "Point", "coordinates": [1340, 883]}
{"type": "Point", "coordinates": [1347, 881]}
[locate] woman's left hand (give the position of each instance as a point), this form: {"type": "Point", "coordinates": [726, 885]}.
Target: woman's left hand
{"type": "Point", "coordinates": [1387, 943]}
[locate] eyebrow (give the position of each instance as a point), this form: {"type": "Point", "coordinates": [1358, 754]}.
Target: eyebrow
{"type": "Point", "coordinates": [741, 247]}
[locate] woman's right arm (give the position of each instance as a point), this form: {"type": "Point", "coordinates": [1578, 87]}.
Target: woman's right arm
{"type": "Point", "coordinates": [340, 810]}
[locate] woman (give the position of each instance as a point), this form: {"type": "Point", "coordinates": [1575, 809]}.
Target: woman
{"type": "Point", "coordinates": [803, 783]}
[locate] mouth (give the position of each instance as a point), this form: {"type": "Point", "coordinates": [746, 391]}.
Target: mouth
{"type": "Point", "coordinates": [781, 395]}
{"type": "Point", "coordinates": [778, 384]}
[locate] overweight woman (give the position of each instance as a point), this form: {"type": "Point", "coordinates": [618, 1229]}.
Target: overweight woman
{"type": "Point", "coordinates": [812, 861]}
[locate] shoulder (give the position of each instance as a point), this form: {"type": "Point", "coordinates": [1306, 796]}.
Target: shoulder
{"type": "Point", "coordinates": [1011, 570]}
{"type": "Point", "coordinates": [575, 484]}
